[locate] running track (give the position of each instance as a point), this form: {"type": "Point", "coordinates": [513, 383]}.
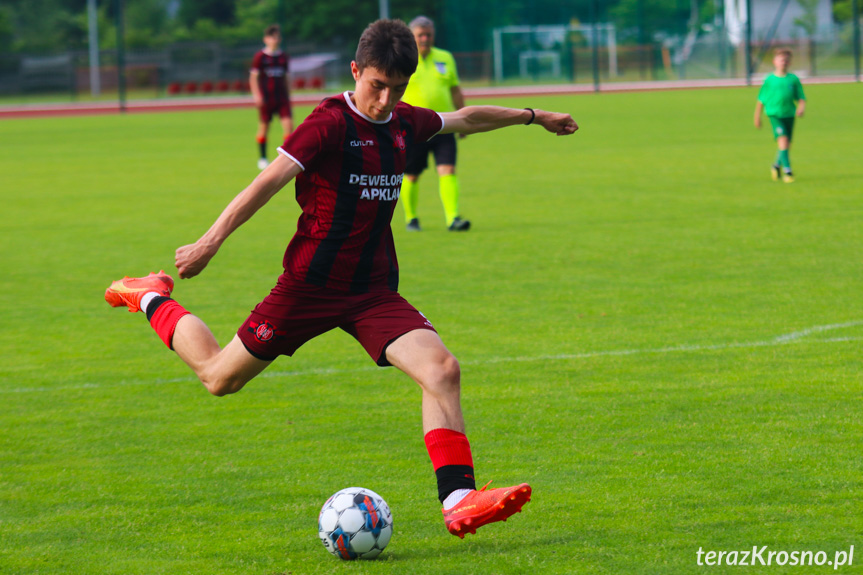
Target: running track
{"type": "Point", "coordinates": [171, 104]}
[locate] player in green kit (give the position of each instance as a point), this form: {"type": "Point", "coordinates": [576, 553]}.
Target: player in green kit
{"type": "Point", "coordinates": [434, 85]}
{"type": "Point", "coordinates": [782, 98]}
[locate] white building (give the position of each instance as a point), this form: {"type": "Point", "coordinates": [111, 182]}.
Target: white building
{"type": "Point", "coordinates": [764, 13]}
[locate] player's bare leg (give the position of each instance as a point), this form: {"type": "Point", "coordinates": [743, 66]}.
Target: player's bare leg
{"type": "Point", "coordinates": [222, 371]}
{"type": "Point", "coordinates": [423, 356]}
{"type": "Point", "coordinates": [287, 126]}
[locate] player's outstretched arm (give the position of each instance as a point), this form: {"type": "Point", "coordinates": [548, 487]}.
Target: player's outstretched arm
{"type": "Point", "coordinates": [193, 258]}
{"type": "Point", "coordinates": [474, 119]}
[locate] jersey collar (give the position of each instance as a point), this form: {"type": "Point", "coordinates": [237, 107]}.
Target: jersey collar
{"type": "Point", "coordinates": [353, 107]}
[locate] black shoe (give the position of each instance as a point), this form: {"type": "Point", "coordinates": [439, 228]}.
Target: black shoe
{"type": "Point", "coordinates": [413, 225]}
{"type": "Point", "coordinates": [774, 172]}
{"type": "Point", "coordinates": [459, 225]}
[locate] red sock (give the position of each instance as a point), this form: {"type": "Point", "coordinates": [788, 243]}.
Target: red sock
{"type": "Point", "coordinates": [164, 313]}
{"type": "Point", "coordinates": [452, 460]}
{"type": "Point", "coordinates": [448, 447]}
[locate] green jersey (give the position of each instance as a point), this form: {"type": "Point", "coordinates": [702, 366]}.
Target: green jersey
{"type": "Point", "coordinates": [780, 95]}
{"type": "Point", "coordinates": [431, 85]}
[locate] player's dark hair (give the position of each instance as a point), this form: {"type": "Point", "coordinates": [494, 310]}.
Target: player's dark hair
{"type": "Point", "coordinates": [389, 46]}
{"type": "Point", "coordinates": [272, 30]}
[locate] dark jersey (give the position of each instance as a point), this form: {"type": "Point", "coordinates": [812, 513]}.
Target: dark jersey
{"type": "Point", "coordinates": [351, 179]}
{"type": "Point", "coordinates": [272, 71]}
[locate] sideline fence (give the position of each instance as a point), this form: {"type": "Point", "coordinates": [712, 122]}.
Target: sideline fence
{"type": "Point", "coordinates": [728, 39]}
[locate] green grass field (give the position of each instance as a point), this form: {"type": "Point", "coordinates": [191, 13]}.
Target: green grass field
{"type": "Point", "coordinates": [660, 339]}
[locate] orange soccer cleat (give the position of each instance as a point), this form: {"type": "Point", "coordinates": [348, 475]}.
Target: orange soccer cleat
{"type": "Point", "coordinates": [481, 507]}
{"type": "Point", "coordinates": [129, 291]}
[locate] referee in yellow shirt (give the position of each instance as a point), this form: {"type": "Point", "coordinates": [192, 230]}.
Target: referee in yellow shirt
{"type": "Point", "coordinates": [434, 85]}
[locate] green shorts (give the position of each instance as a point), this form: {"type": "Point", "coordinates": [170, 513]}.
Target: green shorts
{"type": "Point", "coordinates": [782, 127]}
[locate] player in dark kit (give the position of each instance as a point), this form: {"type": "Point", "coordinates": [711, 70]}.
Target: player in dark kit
{"type": "Point", "coordinates": [268, 80]}
{"type": "Point", "coordinates": [348, 158]}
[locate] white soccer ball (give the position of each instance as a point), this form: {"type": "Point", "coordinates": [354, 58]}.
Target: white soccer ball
{"type": "Point", "coordinates": [355, 523]}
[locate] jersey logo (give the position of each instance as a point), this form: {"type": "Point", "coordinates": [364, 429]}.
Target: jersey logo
{"type": "Point", "coordinates": [400, 139]}
{"type": "Point", "coordinates": [441, 68]}
{"type": "Point", "coordinates": [362, 143]}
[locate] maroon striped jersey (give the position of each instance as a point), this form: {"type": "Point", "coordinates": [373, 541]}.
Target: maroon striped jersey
{"type": "Point", "coordinates": [272, 71]}
{"type": "Point", "coordinates": [352, 174]}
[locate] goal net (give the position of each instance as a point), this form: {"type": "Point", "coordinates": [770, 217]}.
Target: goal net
{"type": "Point", "coordinates": [552, 52]}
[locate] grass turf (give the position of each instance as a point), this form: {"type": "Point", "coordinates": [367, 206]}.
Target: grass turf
{"type": "Point", "coordinates": [658, 338]}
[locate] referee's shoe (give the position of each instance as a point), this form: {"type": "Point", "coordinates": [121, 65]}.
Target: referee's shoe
{"type": "Point", "coordinates": [459, 225]}
{"type": "Point", "coordinates": [413, 225]}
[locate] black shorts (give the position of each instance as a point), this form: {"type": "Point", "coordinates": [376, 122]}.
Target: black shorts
{"type": "Point", "coordinates": [443, 148]}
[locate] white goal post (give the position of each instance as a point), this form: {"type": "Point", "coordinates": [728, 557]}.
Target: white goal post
{"type": "Point", "coordinates": [550, 40]}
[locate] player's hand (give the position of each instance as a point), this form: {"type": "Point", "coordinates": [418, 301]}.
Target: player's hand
{"type": "Point", "coordinates": [758, 122]}
{"type": "Point", "coordinates": [191, 260]}
{"type": "Point", "coordinates": [556, 123]}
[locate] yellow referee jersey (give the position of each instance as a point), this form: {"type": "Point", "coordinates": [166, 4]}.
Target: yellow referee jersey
{"type": "Point", "coordinates": [431, 85]}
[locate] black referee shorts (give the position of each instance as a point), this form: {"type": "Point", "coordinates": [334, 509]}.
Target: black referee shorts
{"type": "Point", "coordinates": [443, 148]}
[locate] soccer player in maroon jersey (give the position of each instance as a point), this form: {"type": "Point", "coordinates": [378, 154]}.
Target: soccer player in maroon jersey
{"type": "Point", "coordinates": [348, 158]}
{"type": "Point", "coordinates": [268, 80]}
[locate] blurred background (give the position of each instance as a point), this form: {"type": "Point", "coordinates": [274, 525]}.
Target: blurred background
{"type": "Point", "coordinates": [79, 50]}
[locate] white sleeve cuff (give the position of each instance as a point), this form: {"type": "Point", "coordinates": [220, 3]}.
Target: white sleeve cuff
{"type": "Point", "coordinates": [296, 161]}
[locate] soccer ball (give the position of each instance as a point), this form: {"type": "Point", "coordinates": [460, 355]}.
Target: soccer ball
{"type": "Point", "coordinates": [355, 523]}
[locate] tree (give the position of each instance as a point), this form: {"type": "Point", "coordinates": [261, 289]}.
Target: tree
{"type": "Point", "coordinates": [843, 11]}
{"type": "Point", "coordinates": [646, 18]}
{"type": "Point", "coordinates": [6, 30]}
{"type": "Point", "coordinates": [809, 22]}
{"type": "Point", "coordinates": [220, 12]}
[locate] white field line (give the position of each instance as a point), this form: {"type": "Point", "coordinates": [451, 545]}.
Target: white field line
{"type": "Point", "coordinates": [796, 337]}
{"type": "Point", "coordinates": [779, 340]}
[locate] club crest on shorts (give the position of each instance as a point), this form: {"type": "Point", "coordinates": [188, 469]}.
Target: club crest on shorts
{"type": "Point", "coordinates": [264, 331]}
